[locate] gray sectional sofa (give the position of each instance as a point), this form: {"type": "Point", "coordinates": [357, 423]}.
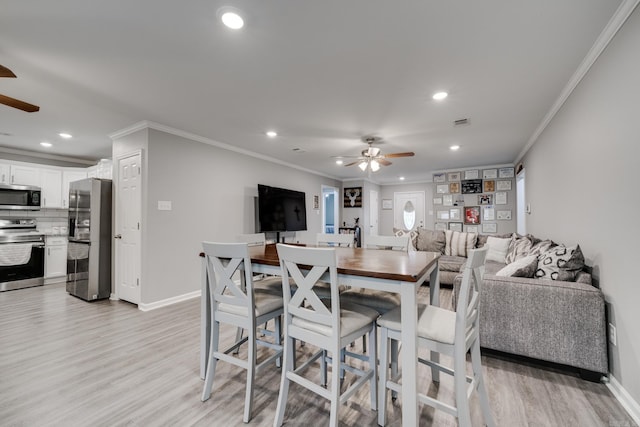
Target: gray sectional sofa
{"type": "Point", "coordinates": [559, 321]}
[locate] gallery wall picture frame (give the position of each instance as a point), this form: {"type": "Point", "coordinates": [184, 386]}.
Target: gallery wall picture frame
{"type": "Point", "coordinates": [454, 214]}
{"type": "Point", "coordinates": [488, 213]}
{"type": "Point", "coordinates": [471, 228]}
{"type": "Point", "coordinates": [489, 186]}
{"type": "Point", "coordinates": [504, 215]}
{"type": "Point", "coordinates": [472, 214]}
{"type": "Point", "coordinates": [454, 187]}
{"type": "Point", "coordinates": [439, 177]}
{"type": "Point", "coordinates": [442, 188]}
{"type": "Point", "coordinates": [472, 174]}
{"type": "Point", "coordinates": [485, 199]}
{"type": "Point", "coordinates": [447, 199]}
{"type": "Point", "coordinates": [471, 186]}
{"type": "Point", "coordinates": [489, 173]}
{"type": "Point", "coordinates": [506, 173]}
{"type": "Point", "coordinates": [440, 226]}
{"type": "Point", "coordinates": [352, 197]}
{"type": "Point", "coordinates": [455, 226]}
{"type": "Point", "coordinates": [387, 204]}
{"type": "Point", "coordinates": [442, 215]}
{"type": "Point", "coordinates": [316, 201]}
{"type": "Point", "coordinates": [504, 185]}
{"type": "Point", "coordinates": [489, 227]}
{"type": "Point", "coordinates": [501, 198]}
{"type": "Point", "coordinates": [453, 176]}
{"type": "Point", "coordinates": [437, 200]}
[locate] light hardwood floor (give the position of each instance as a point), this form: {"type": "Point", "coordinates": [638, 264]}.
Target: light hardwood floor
{"type": "Point", "coordinates": [66, 362]}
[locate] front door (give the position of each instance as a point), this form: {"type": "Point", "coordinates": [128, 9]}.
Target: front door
{"type": "Point", "coordinates": [127, 236]}
{"type": "Point", "coordinates": [408, 210]}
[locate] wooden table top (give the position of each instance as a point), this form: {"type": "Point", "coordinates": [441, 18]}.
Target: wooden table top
{"type": "Point", "coordinates": [389, 265]}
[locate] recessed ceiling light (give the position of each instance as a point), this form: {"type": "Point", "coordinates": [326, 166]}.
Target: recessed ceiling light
{"type": "Point", "coordinates": [339, 162]}
{"type": "Point", "coordinates": [439, 96]}
{"type": "Point", "coordinates": [454, 147]}
{"type": "Point", "coordinates": [65, 135]}
{"type": "Point", "coordinates": [401, 178]}
{"type": "Point", "coordinates": [232, 20]}
{"type": "Point", "coordinates": [271, 134]}
{"type": "Point", "coordinates": [45, 144]}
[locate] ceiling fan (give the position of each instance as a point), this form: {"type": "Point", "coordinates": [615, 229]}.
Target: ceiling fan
{"type": "Point", "coordinates": [372, 158]}
{"type": "Point", "coordinates": [12, 102]}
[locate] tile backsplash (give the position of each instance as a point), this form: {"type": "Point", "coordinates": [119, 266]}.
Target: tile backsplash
{"type": "Point", "coordinates": [47, 218]}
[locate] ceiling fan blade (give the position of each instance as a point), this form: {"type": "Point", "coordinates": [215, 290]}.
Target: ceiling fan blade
{"type": "Point", "coordinates": [20, 105]}
{"type": "Point", "coordinates": [407, 154]}
{"type": "Point", "coordinates": [383, 162]}
{"type": "Point", "coordinates": [5, 72]}
{"type": "Point", "coordinates": [354, 163]}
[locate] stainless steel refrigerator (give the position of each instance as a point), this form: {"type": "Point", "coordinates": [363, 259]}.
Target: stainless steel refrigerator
{"type": "Point", "coordinates": [89, 250]}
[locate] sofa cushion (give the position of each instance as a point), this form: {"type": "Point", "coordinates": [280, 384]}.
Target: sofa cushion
{"type": "Point", "coordinates": [560, 263]}
{"type": "Point", "coordinates": [523, 267]}
{"type": "Point", "coordinates": [519, 247]}
{"type": "Point", "coordinates": [458, 243]}
{"type": "Point", "coordinates": [413, 235]}
{"type": "Point", "coordinates": [497, 249]}
{"type": "Point", "coordinates": [430, 240]}
{"type": "Point", "coordinates": [451, 263]}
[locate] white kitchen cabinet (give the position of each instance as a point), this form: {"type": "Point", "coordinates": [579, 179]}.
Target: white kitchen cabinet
{"type": "Point", "coordinates": [25, 175]}
{"type": "Point", "coordinates": [92, 172]}
{"type": "Point", "coordinates": [51, 183]}
{"type": "Point", "coordinates": [68, 176]}
{"type": "Point", "coordinates": [5, 173]}
{"type": "Point", "coordinates": [55, 260]}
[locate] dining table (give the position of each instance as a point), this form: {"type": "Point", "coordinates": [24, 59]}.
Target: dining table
{"type": "Point", "coordinates": [391, 271]}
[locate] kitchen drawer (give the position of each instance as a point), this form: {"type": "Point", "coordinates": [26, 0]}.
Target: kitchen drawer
{"type": "Point", "coordinates": [55, 240]}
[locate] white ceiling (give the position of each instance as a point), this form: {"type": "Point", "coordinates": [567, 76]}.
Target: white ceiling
{"type": "Point", "coordinates": [321, 73]}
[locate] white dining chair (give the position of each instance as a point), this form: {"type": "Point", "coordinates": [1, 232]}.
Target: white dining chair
{"type": "Point", "coordinates": [242, 306]}
{"type": "Point", "coordinates": [452, 333]}
{"type": "Point", "coordinates": [337, 240]}
{"type": "Point", "coordinates": [329, 325]}
{"type": "Point", "coordinates": [271, 284]}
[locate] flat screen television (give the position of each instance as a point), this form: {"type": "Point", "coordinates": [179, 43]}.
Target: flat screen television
{"type": "Point", "coordinates": [280, 209]}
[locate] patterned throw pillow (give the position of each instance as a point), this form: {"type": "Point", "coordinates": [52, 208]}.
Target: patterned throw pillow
{"type": "Point", "coordinates": [560, 263]}
{"type": "Point", "coordinates": [458, 243]}
{"type": "Point", "coordinates": [519, 247]}
{"type": "Point", "coordinates": [430, 240]}
{"type": "Point", "coordinates": [413, 236]}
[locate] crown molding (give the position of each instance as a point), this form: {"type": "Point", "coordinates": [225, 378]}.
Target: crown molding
{"type": "Point", "coordinates": [39, 155]}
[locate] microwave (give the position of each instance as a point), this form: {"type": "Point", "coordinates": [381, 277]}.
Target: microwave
{"type": "Point", "coordinates": [25, 197]}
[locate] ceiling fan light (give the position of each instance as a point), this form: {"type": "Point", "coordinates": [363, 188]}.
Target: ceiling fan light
{"type": "Point", "coordinates": [363, 165]}
{"type": "Point", "coordinates": [373, 151]}
{"type": "Point", "coordinates": [375, 165]}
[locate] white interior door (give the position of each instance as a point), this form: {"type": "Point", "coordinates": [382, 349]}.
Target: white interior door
{"type": "Point", "coordinates": [373, 213]}
{"type": "Point", "coordinates": [408, 210]}
{"type": "Point", "coordinates": [127, 239]}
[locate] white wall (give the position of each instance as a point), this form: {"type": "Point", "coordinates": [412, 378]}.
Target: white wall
{"type": "Point", "coordinates": [212, 191]}
{"type": "Point", "coordinates": [582, 177]}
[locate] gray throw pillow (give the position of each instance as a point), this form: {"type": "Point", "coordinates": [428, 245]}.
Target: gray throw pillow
{"type": "Point", "coordinates": [519, 247]}
{"type": "Point", "coordinates": [560, 263]}
{"type": "Point", "coordinates": [430, 240]}
{"type": "Point", "coordinates": [523, 267]}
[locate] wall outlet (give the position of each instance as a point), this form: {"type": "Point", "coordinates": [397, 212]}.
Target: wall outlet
{"type": "Point", "coordinates": [613, 339]}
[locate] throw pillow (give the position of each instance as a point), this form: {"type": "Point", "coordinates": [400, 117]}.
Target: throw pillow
{"type": "Point", "coordinates": [430, 240]}
{"type": "Point", "coordinates": [519, 247]}
{"type": "Point", "coordinates": [413, 235]}
{"type": "Point", "coordinates": [523, 267]}
{"type": "Point", "coordinates": [560, 263]}
{"type": "Point", "coordinates": [482, 238]}
{"type": "Point", "coordinates": [541, 247]}
{"type": "Point", "coordinates": [497, 249]}
{"type": "Point", "coordinates": [458, 243]}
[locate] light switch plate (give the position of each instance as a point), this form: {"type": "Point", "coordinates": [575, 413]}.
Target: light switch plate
{"type": "Point", "coordinates": [164, 205]}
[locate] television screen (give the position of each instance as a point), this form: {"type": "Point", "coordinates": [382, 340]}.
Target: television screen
{"type": "Point", "coordinates": [280, 209]}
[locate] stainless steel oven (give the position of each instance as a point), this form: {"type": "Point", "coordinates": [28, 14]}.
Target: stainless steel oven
{"type": "Point", "coordinates": [23, 197]}
{"type": "Point", "coordinates": [21, 254]}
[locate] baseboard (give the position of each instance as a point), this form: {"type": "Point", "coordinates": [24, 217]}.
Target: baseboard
{"type": "Point", "coordinates": [168, 301]}
{"type": "Point", "coordinates": [625, 399]}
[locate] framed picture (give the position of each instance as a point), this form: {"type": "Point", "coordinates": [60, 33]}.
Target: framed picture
{"type": "Point", "coordinates": [471, 228]}
{"type": "Point", "coordinates": [489, 173]}
{"type": "Point", "coordinates": [485, 199]}
{"type": "Point", "coordinates": [442, 215]}
{"type": "Point", "coordinates": [352, 197]}
{"type": "Point", "coordinates": [447, 199]}
{"type": "Point", "coordinates": [503, 185]}
{"type": "Point", "coordinates": [504, 215]}
{"type": "Point", "coordinates": [441, 226]}
{"type": "Point", "coordinates": [454, 176]}
{"type": "Point", "coordinates": [506, 173]}
{"type": "Point", "coordinates": [471, 174]}
{"type": "Point", "coordinates": [316, 201]}
{"type": "Point", "coordinates": [387, 204]}
{"type": "Point", "coordinates": [455, 226]}
{"type": "Point", "coordinates": [439, 177]}
{"type": "Point", "coordinates": [442, 189]}
{"type": "Point", "coordinates": [490, 227]}
{"type": "Point", "coordinates": [488, 213]}
{"type": "Point", "coordinates": [489, 186]}
{"type": "Point", "coordinates": [454, 214]}
{"type": "Point", "coordinates": [437, 200]}
{"type": "Point", "coordinates": [472, 186]}
{"type": "Point", "coordinates": [472, 215]}
{"type": "Point", "coordinates": [454, 187]}
{"type": "Point", "coordinates": [501, 198]}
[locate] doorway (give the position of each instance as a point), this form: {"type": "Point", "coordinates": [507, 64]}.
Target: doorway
{"type": "Point", "coordinates": [330, 215]}
{"type": "Point", "coordinates": [521, 208]}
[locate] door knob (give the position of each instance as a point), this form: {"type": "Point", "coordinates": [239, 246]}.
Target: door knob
{"type": "Point", "coordinates": [118, 236]}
